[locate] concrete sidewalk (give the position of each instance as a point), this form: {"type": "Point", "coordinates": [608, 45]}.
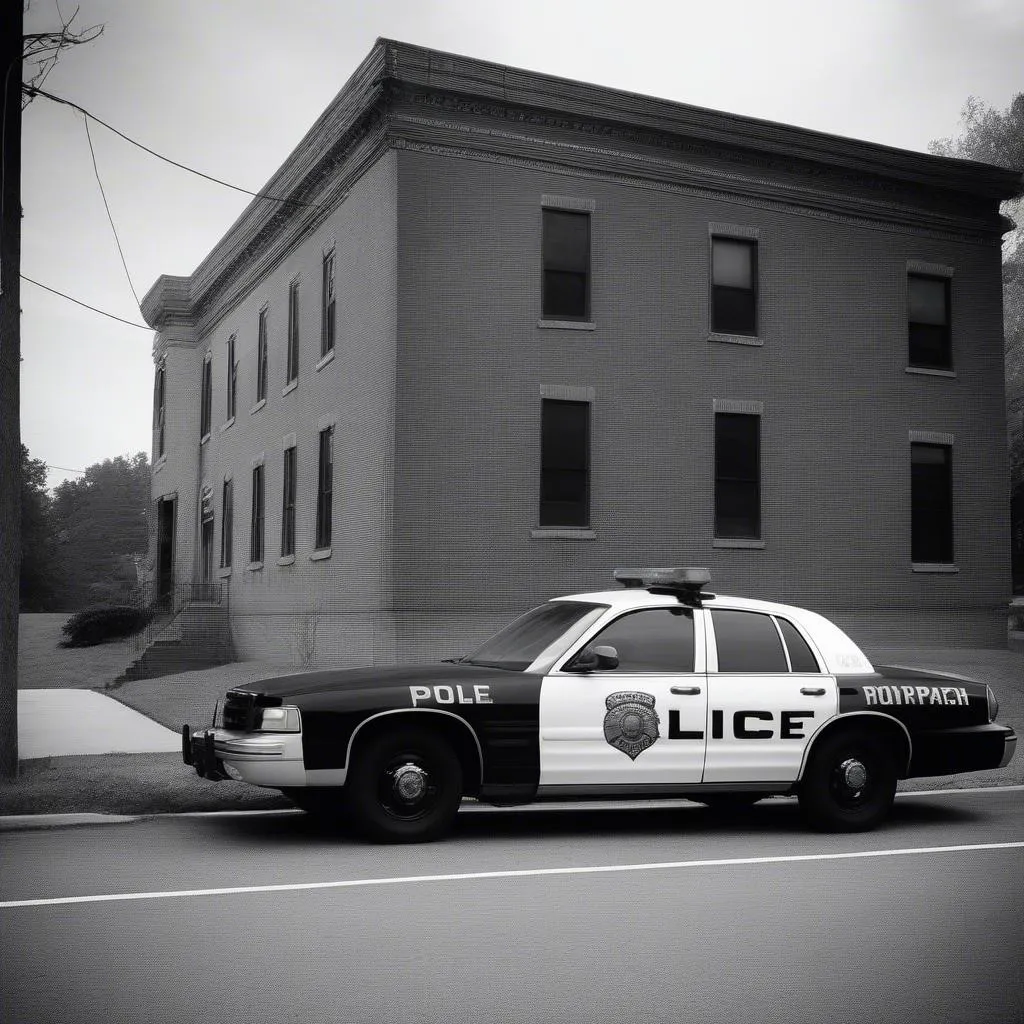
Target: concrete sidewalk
{"type": "Point", "coordinates": [53, 723]}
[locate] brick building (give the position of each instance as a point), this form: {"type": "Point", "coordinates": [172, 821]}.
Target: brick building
{"type": "Point", "coordinates": [512, 331]}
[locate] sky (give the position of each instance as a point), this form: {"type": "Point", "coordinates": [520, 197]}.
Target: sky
{"type": "Point", "coordinates": [229, 87]}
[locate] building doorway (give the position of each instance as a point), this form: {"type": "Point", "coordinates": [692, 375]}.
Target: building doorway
{"type": "Point", "coordinates": [165, 550]}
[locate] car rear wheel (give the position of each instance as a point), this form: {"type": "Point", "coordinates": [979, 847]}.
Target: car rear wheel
{"type": "Point", "coordinates": [849, 783]}
{"type": "Point", "coordinates": [404, 786]}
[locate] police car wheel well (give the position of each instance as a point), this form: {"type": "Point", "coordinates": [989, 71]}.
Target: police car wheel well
{"type": "Point", "coordinates": [455, 732]}
{"type": "Point", "coordinates": [870, 725]}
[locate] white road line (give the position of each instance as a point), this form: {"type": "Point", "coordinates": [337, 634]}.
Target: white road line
{"type": "Point", "coordinates": [478, 875]}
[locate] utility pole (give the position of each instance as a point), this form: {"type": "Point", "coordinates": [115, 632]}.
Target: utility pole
{"type": "Point", "coordinates": [11, 29]}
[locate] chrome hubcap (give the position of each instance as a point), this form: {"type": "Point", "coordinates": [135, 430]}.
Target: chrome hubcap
{"type": "Point", "coordinates": [410, 783]}
{"type": "Point", "coordinates": [854, 774]}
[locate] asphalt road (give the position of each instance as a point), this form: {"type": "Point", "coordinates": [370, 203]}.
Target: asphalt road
{"type": "Point", "coordinates": [653, 913]}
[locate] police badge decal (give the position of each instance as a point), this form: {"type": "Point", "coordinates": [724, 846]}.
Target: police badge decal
{"type": "Point", "coordinates": [631, 724]}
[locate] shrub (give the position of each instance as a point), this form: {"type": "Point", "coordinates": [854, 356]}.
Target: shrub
{"type": "Point", "coordinates": [100, 623]}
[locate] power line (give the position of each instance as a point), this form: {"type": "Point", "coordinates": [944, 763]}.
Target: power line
{"type": "Point", "coordinates": [79, 302]}
{"type": "Point", "coordinates": [33, 91]}
{"type": "Point", "coordinates": [110, 216]}
{"type": "Point", "coordinates": [64, 469]}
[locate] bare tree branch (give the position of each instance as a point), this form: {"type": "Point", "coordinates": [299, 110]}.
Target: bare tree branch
{"type": "Point", "coordinates": [41, 50]}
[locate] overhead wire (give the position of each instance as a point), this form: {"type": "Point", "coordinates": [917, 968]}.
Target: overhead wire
{"type": "Point", "coordinates": [79, 302]}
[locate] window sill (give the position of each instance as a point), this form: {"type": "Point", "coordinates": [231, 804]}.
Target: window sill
{"type": "Point", "coordinates": [567, 325]}
{"type": "Point", "coordinates": [228, 423]}
{"type": "Point", "coordinates": [563, 533]}
{"type": "Point", "coordinates": [934, 568]}
{"type": "Point", "coordinates": [735, 339]}
{"type": "Point", "coordinates": [204, 438]}
{"type": "Point", "coordinates": [160, 463]}
{"type": "Point", "coordinates": [289, 387]}
{"type": "Point", "coordinates": [259, 405]}
{"type": "Point", "coordinates": [324, 360]}
{"type": "Point", "coordinates": [320, 554]}
{"type": "Point", "coordinates": [255, 566]}
{"type": "Point", "coordinates": [747, 543]}
{"type": "Point", "coordinates": [224, 572]}
{"type": "Point", "coordinates": [286, 560]}
{"type": "Point", "coordinates": [928, 371]}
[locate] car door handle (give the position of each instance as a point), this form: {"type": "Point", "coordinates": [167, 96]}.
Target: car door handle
{"type": "Point", "coordinates": [688, 691]}
{"type": "Point", "coordinates": [813, 691]}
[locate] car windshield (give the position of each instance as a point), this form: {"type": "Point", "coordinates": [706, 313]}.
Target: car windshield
{"type": "Point", "coordinates": [523, 641]}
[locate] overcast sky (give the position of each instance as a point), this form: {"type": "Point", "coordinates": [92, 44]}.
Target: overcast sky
{"type": "Point", "coordinates": [230, 86]}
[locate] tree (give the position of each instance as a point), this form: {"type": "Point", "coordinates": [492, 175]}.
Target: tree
{"type": "Point", "coordinates": [38, 583]}
{"type": "Point", "coordinates": [101, 530]}
{"type": "Point", "coordinates": [997, 137]}
{"type": "Point", "coordinates": [41, 50]}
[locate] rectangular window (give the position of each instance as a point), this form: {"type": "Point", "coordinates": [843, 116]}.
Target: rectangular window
{"type": "Point", "coordinates": [159, 406]}
{"type": "Point", "coordinates": [261, 357]}
{"type": "Point", "coordinates": [565, 463]}
{"type": "Point", "coordinates": [734, 286]}
{"type": "Point", "coordinates": [227, 518]}
{"type": "Point", "coordinates": [737, 476]}
{"type": "Point", "coordinates": [256, 532]}
{"type": "Point", "coordinates": [288, 504]}
{"type": "Point", "coordinates": [293, 331]}
{"type": "Point", "coordinates": [232, 378]}
{"type": "Point", "coordinates": [206, 407]}
{"type": "Point", "coordinates": [928, 322]}
{"type": "Point", "coordinates": [328, 306]}
{"type": "Point", "coordinates": [566, 258]}
{"type": "Point", "coordinates": [324, 487]}
{"type": "Point", "coordinates": [931, 503]}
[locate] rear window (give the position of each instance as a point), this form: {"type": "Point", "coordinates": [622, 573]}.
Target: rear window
{"type": "Point", "coordinates": [800, 656]}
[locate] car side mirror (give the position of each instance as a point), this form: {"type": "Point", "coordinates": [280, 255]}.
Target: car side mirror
{"type": "Point", "coordinates": [594, 659]}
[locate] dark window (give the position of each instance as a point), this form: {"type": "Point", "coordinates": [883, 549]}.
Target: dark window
{"type": "Point", "coordinates": [288, 504]}
{"type": "Point", "coordinates": [227, 517]}
{"type": "Point", "coordinates": [206, 407]}
{"type": "Point", "coordinates": [256, 533]}
{"type": "Point", "coordinates": [566, 253]}
{"type": "Point", "coordinates": [324, 487]}
{"type": "Point", "coordinates": [733, 286]}
{"type": "Point", "coordinates": [159, 406]}
{"type": "Point", "coordinates": [928, 320]}
{"type": "Point", "coordinates": [293, 331]}
{"type": "Point", "coordinates": [328, 307]}
{"type": "Point", "coordinates": [931, 501]}
{"type": "Point", "coordinates": [747, 642]}
{"type": "Point", "coordinates": [206, 520]}
{"type": "Point", "coordinates": [232, 378]}
{"type": "Point", "coordinates": [800, 657]}
{"type": "Point", "coordinates": [523, 640]}
{"type": "Point", "coordinates": [565, 463]}
{"type": "Point", "coordinates": [737, 475]}
{"type": "Point", "coordinates": [655, 640]}
{"type": "Point", "coordinates": [261, 357]}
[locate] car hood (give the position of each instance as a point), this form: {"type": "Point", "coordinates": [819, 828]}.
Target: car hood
{"type": "Point", "coordinates": [373, 678]}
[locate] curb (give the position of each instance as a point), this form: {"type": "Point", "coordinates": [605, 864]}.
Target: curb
{"type": "Point", "coordinates": [38, 822]}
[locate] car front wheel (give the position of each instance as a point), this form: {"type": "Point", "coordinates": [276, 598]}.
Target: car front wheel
{"type": "Point", "coordinates": [404, 786]}
{"type": "Point", "coordinates": [849, 783]}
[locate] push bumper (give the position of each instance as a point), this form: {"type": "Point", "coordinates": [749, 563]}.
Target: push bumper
{"type": "Point", "coordinates": [262, 759]}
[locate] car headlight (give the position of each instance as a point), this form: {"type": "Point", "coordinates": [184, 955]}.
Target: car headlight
{"type": "Point", "coordinates": [993, 704]}
{"type": "Point", "coordinates": [283, 719]}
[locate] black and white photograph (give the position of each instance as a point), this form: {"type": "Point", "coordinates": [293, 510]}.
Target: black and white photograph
{"type": "Point", "coordinates": [511, 512]}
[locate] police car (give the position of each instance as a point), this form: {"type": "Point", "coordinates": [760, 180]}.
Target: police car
{"type": "Point", "coordinates": [656, 689]}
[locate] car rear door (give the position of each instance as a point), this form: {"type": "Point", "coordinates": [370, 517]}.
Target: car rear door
{"type": "Point", "coordinates": [767, 694]}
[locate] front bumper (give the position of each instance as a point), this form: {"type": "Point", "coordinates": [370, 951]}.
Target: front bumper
{"type": "Point", "coordinates": [971, 749]}
{"type": "Point", "coordinates": [261, 759]}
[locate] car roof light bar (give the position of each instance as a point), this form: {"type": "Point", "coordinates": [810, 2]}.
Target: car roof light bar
{"type": "Point", "coordinates": [681, 582]}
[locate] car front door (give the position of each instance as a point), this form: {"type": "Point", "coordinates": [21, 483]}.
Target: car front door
{"type": "Point", "coordinates": [639, 724]}
{"type": "Point", "coordinates": [767, 695]}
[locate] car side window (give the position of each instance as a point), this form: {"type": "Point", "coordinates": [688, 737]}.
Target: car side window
{"type": "Point", "coordinates": [652, 640]}
{"type": "Point", "coordinates": [800, 656]}
{"type": "Point", "coordinates": [747, 642]}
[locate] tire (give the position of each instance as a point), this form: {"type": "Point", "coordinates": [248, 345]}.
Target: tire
{"type": "Point", "coordinates": [849, 783]}
{"type": "Point", "coordinates": [404, 786]}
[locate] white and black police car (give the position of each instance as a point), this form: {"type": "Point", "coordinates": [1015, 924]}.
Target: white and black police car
{"type": "Point", "coordinates": [656, 689]}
